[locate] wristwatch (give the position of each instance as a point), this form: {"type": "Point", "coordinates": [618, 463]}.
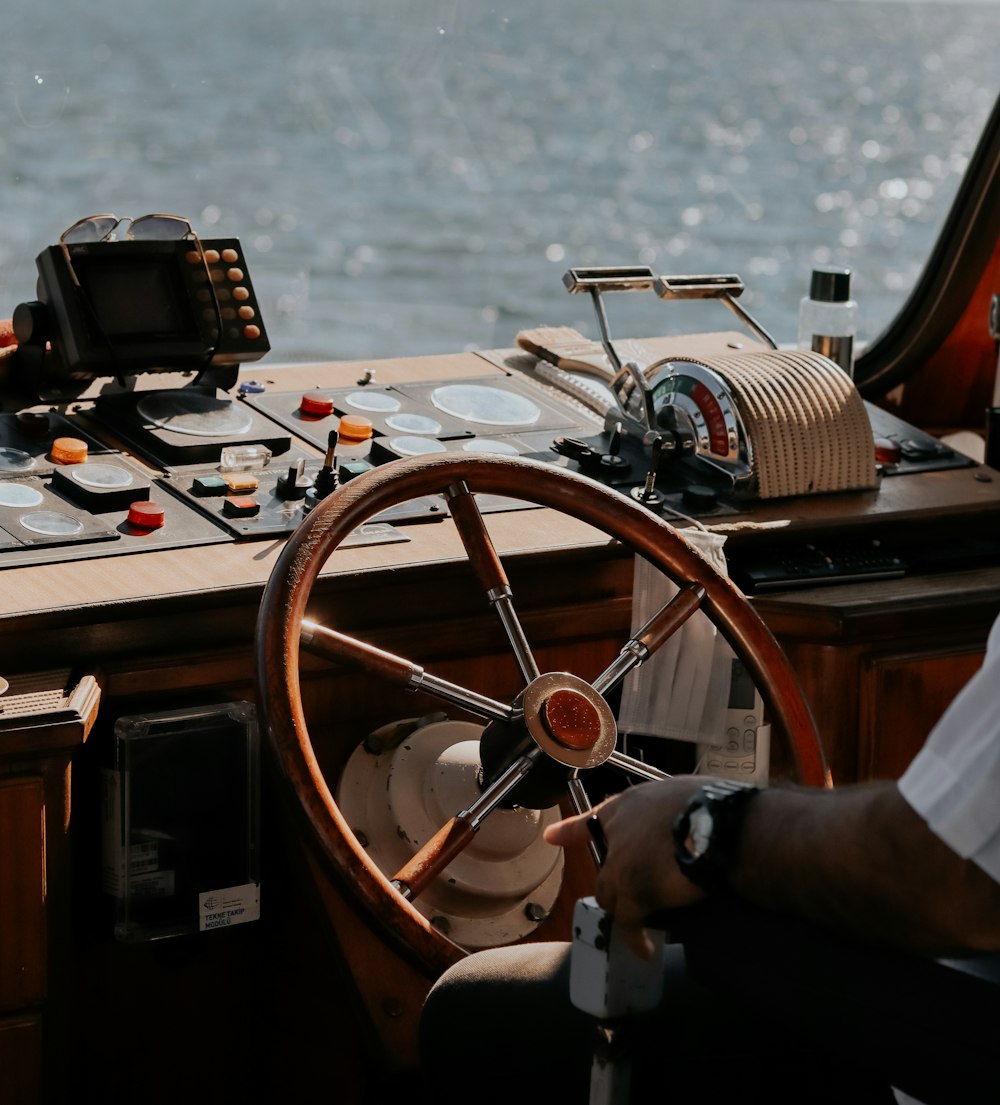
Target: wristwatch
{"type": "Point", "coordinates": [707, 830]}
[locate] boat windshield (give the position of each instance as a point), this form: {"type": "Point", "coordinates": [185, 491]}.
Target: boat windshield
{"type": "Point", "coordinates": [413, 178]}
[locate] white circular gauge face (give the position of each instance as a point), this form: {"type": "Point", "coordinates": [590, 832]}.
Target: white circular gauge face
{"type": "Point", "coordinates": [489, 406]}
{"type": "Point", "coordinates": [19, 494]}
{"type": "Point", "coordinates": [414, 446]}
{"type": "Point", "coordinates": [15, 460]}
{"type": "Point", "coordinates": [487, 445]}
{"type": "Point", "coordinates": [409, 423]}
{"type": "Point", "coordinates": [51, 524]}
{"type": "Point", "coordinates": [101, 477]}
{"type": "Point", "coordinates": [372, 401]}
{"type": "Point", "coordinates": [195, 415]}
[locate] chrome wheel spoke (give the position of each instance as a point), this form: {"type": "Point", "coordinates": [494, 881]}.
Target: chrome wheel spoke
{"type": "Point", "coordinates": [490, 572]}
{"type": "Point", "coordinates": [331, 645]}
{"type": "Point", "coordinates": [666, 621]}
{"type": "Point", "coordinates": [455, 835]}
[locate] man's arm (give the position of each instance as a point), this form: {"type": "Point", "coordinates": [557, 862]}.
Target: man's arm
{"type": "Point", "coordinates": [858, 860]}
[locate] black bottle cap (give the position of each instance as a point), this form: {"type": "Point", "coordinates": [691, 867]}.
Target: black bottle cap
{"type": "Point", "coordinates": [830, 284]}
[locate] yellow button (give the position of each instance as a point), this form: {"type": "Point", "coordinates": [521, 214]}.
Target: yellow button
{"type": "Point", "coordinates": [241, 481]}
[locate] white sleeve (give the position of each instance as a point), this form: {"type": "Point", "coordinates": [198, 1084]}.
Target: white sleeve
{"type": "Point", "coordinates": [954, 781]}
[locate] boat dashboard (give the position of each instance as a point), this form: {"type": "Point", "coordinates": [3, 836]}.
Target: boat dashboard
{"type": "Point", "coordinates": [154, 468]}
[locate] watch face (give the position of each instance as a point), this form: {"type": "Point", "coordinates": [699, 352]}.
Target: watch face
{"type": "Point", "coordinates": [705, 831]}
{"type": "Point", "coordinates": [700, 831]}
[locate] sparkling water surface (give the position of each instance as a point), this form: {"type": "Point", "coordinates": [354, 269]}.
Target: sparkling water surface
{"type": "Point", "coordinates": [416, 177]}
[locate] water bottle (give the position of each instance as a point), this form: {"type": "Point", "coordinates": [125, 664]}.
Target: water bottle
{"type": "Point", "coordinates": [828, 317]}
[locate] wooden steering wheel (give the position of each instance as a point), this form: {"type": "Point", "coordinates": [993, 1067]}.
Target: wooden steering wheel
{"type": "Point", "coordinates": [562, 722]}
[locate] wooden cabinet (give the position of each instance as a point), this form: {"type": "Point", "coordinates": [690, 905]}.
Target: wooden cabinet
{"type": "Point", "coordinates": [879, 663]}
{"type": "Point", "coordinates": [42, 723]}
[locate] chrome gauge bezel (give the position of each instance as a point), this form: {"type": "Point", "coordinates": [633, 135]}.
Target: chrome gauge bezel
{"type": "Point", "coordinates": [720, 436]}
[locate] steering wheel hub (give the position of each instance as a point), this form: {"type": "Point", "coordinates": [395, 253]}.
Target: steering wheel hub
{"type": "Point", "coordinates": [571, 719]}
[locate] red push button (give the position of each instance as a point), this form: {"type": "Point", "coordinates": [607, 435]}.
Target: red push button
{"type": "Point", "coordinates": [146, 515]}
{"type": "Point", "coordinates": [316, 405]}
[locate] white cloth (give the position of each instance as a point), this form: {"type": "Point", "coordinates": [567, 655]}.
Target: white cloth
{"type": "Point", "coordinates": [954, 781]}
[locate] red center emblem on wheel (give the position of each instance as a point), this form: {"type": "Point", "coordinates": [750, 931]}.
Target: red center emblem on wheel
{"type": "Point", "coordinates": [572, 719]}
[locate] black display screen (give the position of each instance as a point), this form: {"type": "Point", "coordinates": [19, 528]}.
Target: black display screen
{"type": "Point", "coordinates": [137, 299]}
{"type": "Point", "coordinates": [741, 688]}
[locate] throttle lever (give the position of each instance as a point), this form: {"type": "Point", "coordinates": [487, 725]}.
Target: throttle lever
{"type": "Point", "coordinates": [726, 288]}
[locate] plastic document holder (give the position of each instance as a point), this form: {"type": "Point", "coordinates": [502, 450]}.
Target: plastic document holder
{"type": "Point", "coordinates": [181, 822]}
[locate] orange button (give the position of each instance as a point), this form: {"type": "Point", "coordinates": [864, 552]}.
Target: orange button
{"type": "Point", "coordinates": [316, 405]}
{"type": "Point", "coordinates": [251, 332]}
{"type": "Point", "coordinates": [212, 256]}
{"type": "Point", "coordinates": [572, 719]}
{"type": "Point", "coordinates": [229, 256]}
{"type": "Point", "coordinates": [241, 294]}
{"type": "Point", "coordinates": [235, 275]}
{"type": "Point", "coordinates": [354, 428]}
{"type": "Point", "coordinates": [146, 515]}
{"type": "Point", "coordinates": [240, 506]}
{"type": "Point", "coordinates": [69, 450]}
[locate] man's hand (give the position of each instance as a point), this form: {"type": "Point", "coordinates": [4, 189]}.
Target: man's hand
{"type": "Point", "coordinates": [640, 874]}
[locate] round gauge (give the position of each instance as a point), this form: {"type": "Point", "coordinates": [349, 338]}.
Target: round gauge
{"type": "Point", "coordinates": [702, 399]}
{"type": "Point", "coordinates": [414, 446]}
{"type": "Point", "coordinates": [51, 524]}
{"type": "Point", "coordinates": [489, 406]}
{"type": "Point", "coordinates": [372, 401]}
{"type": "Point", "coordinates": [19, 494]}
{"type": "Point", "coordinates": [488, 445]}
{"type": "Point", "coordinates": [15, 460]}
{"type": "Point", "coordinates": [101, 477]}
{"type": "Point", "coordinates": [195, 415]}
{"type": "Point", "coordinates": [409, 423]}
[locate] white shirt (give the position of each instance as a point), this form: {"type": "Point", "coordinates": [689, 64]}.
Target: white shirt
{"type": "Point", "coordinates": [954, 781]}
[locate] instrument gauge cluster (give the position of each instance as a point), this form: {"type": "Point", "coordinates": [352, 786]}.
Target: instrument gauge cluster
{"type": "Point", "coordinates": [691, 396]}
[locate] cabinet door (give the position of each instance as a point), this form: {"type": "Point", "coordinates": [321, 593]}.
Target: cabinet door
{"type": "Point", "coordinates": [22, 893]}
{"type": "Point", "coordinates": [20, 1060]}
{"type": "Point", "coordinates": [902, 699]}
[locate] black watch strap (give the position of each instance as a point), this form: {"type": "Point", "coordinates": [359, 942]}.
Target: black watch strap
{"type": "Point", "coordinates": [707, 830]}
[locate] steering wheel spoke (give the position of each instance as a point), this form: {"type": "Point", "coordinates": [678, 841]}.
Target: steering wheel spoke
{"type": "Point", "coordinates": [665, 622]}
{"type": "Point", "coordinates": [457, 834]}
{"type": "Point", "coordinates": [328, 643]}
{"type": "Point", "coordinates": [490, 572]}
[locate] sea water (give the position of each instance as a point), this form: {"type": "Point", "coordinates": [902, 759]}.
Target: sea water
{"type": "Point", "coordinates": [416, 177]}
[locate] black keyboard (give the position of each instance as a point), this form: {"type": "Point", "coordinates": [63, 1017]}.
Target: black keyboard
{"type": "Point", "coordinates": [807, 565]}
